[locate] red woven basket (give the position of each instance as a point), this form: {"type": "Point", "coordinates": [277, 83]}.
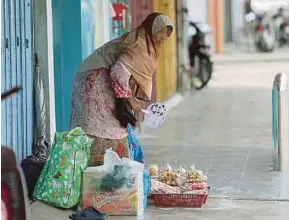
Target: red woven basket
{"type": "Point", "coordinates": [180, 200]}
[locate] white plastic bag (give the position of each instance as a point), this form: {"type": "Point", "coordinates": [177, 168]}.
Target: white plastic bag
{"type": "Point", "coordinates": [106, 193]}
{"type": "Point", "coordinates": [111, 159]}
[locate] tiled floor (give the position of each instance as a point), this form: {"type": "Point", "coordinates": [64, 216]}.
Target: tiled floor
{"type": "Point", "coordinates": [215, 209]}
{"type": "Point", "coordinates": [224, 130]}
{"type": "Point", "coordinates": [238, 172]}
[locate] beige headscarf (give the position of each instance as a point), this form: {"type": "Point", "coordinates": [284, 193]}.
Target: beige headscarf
{"type": "Point", "coordinates": [138, 54]}
{"type": "Point", "coordinates": [135, 50]}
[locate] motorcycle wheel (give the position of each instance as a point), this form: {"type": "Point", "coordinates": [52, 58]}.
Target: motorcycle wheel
{"type": "Point", "coordinates": [263, 48]}
{"type": "Point", "coordinates": [267, 42]}
{"type": "Point", "coordinates": [203, 73]}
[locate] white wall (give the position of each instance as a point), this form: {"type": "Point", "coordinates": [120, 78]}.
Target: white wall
{"type": "Point", "coordinates": [198, 10]}
{"type": "Point", "coordinates": [105, 10]}
{"type": "Point", "coordinates": [268, 5]}
{"type": "Point", "coordinates": [95, 16]}
{"type": "Point", "coordinates": [237, 13]}
{"type": "Point", "coordinates": [43, 45]}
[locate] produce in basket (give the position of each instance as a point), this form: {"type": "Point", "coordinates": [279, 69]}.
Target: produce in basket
{"type": "Point", "coordinates": [170, 178]}
{"type": "Point", "coordinates": [154, 170]}
{"type": "Point", "coordinates": [195, 186]}
{"type": "Point", "coordinates": [158, 187]}
{"type": "Point", "coordinates": [166, 169]}
{"type": "Point", "coordinates": [195, 176]}
{"type": "Point", "coordinates": [181, 171]}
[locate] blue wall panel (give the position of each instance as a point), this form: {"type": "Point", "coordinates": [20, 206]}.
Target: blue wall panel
{"type": "Point", "coordinates": [23, 68]}
{"type": "Point", "coordinates": [20, 134]}
{"type": "Point", "coordinates": [17, 69]}
{"type": "Point", "coordinates": [67, 55]}
{"type": "Point", "coordinates": [29, 73]}
{"type": "Point", "coordinates": [13, 82]}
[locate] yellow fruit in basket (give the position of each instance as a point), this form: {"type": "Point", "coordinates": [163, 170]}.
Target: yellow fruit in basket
{"type": "Point", "coordinates": [195, 176]}
{"type": "Point", "coordinates": [154, 170]}
{"type": "Point", "coordinates": [169, 178]}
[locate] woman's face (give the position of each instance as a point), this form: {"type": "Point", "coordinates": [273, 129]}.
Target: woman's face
{"type": "Point", "coordinates": [160, 37]}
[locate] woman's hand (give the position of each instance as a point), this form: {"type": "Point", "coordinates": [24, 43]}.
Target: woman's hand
{"type": "Point", "coordinates": [134, 104]}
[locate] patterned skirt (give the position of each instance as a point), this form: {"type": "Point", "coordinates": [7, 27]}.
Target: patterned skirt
{"type": "Point", "coordinates": [100, 145]}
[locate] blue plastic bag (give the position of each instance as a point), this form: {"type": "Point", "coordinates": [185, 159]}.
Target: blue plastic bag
{"type": "Point", "coordinates": [137, 154]}
{"type": "Point", "coordinates": [136, 150]}
{"type": "Point", "coordinates": [147, 187]}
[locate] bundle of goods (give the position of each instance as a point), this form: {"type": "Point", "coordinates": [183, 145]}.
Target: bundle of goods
{"type": "Point", "coordinates": [60, 181]}
{"type": "Point", "coordinates": [178, 187]}
{"type": "Point", "coordinates": [116, 188]}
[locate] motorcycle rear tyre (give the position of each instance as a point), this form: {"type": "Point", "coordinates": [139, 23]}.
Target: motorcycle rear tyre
{"type": "Point", "coordinates": [262, 48]}
{"type": "Point", "coordinates": [205, 64]}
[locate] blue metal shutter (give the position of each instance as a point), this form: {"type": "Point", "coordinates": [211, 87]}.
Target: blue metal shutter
{"type": "Point", "coordinates": [17, 69]}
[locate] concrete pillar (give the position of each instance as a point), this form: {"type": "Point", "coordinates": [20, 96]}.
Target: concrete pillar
{"type": "Point", "coordinates": [180, 42]}
{"type": "Point", "coordinates": [215, 18]}
{"type": "Point", "coordinates": [43, 46]}
{"type": "Point", "coordinates": [238, 12]}
{"type": "Point", "coordinates": [219, 26]}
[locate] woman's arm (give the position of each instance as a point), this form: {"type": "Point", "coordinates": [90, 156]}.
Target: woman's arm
{"type": "Point", "coordinates": [123, 85]}
{"type": "Point", "coordinates": [120, 77]}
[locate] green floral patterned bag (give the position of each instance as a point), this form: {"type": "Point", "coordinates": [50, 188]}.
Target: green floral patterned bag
{"type": "Point", "coordinates": [60, 181]}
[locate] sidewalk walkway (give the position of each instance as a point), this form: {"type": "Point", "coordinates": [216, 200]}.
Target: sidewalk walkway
{"type": "Point", "coordinates": [225, 130]}
{"type": "Point", "coordinates": [216, 209]}
{"type": "Point", "coordinates": [237, 56]}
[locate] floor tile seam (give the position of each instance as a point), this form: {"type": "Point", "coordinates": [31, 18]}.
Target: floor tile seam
{"type": "Point", "coordinates": [243, 172]}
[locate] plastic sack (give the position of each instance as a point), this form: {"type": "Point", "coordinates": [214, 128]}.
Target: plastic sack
{"type": "Point", "coordinates": [117, 187]}
{"type": "Point", "coordinates": [60, 180]}
{"type": "Point", "coordinates": [120, 176]}
{"type": "Point", "coordinates": [118, 172]}
{"type": "Point", "coordinates": [111, 159]}
{"type": "Point", "coordinates": [136, 150]}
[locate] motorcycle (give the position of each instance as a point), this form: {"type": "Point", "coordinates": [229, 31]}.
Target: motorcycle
{"type": "Point", "coordinates": [281, 22]}
{"type": "Point", "coordinates": [264, 32]}
{"type": "Point", "coordinates": [200, 54]}
{"type": "Point", "coordinates": [284, 37]}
